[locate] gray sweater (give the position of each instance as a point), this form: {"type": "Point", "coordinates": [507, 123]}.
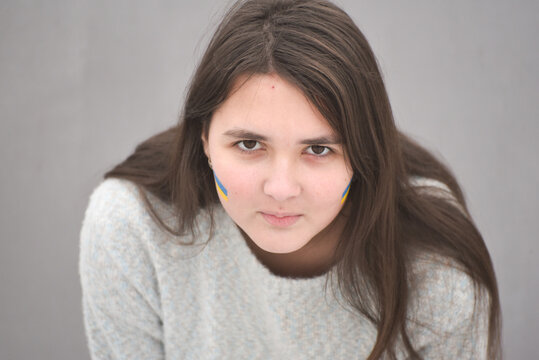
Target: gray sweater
{"type": "Point", "coordinates": [145, 296]}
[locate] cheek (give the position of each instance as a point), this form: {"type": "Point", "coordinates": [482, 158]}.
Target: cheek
{"type": "Point", "coordinates": [328, 191]}
{"type": "Point", "coordinates": [239, 181]}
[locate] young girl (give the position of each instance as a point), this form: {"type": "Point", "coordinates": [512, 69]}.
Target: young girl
{"type": "Point", "coordinates": [285, 216]}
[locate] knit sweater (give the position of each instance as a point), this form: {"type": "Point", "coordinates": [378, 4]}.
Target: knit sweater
{"type": "Point", "coordinates": [146, 296]}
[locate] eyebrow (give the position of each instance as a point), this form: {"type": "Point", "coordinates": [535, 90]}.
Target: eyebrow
{"type": "Point", "coordinates": [245, 134]}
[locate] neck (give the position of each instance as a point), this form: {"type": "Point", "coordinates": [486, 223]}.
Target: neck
{"type": "Point", "coordinates": [314, 259]}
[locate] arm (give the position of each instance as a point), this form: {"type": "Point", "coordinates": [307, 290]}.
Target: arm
{"type": "Point", "coordinates": [450, 315]}
{"type": "Point", "coordinates": [120, 297]}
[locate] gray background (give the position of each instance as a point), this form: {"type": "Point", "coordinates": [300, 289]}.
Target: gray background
{"type": "Point", "coordinates": [82, 82]}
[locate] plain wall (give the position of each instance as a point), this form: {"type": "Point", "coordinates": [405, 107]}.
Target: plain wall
{"type": "Point", "coordinates": [82, 82]}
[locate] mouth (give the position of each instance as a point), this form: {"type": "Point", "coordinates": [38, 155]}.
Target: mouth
{"type": "Point", "coordinates": [280, 220]}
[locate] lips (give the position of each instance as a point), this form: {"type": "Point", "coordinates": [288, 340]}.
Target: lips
{"type": "Point", "coordinates": [280, 220]}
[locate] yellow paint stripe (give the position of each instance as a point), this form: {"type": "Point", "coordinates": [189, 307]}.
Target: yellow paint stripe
{"type": "Point", "coordinates": [223, 195]}
{"type": "Point", "coordinates": [345, 196]}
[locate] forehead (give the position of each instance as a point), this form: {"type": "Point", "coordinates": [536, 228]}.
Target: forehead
{"type": "Point", "coordinates": [267, 103]}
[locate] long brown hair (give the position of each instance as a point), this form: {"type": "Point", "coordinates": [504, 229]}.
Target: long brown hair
{"type": "Point", "coordinates": [316, 46]}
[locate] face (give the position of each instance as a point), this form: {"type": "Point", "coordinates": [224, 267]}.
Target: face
{"type": "Point", "coordinates": [280, 167]}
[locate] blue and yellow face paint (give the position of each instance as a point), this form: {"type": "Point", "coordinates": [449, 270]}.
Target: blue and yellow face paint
{"type": "Point", "coordinates": [224, 193]}
{"type": "Point", "coordinates": [220, 188]}
{"type": "Point", "coordinates": [345, 193]}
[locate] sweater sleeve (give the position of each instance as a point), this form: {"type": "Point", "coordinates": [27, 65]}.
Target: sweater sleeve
{"type": "Point", "coordinates": [450, 314]}
{"type": "Point", "coordinates": [120, 296]}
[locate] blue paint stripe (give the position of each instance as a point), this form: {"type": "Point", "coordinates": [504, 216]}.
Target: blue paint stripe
{"type": "Point", "coordinates": [346, 191]}
{"type": "Point", "coordinates": [220, 185]}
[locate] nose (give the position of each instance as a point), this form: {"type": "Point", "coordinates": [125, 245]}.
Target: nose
{"type": "Point", "coordinates": [282, 183]}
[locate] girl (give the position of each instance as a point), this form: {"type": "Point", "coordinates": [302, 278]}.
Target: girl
{"type": "Point", "coordinates": [285, 216]}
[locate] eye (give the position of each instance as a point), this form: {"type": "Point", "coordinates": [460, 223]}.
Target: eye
{"type": "Point", "coordinates": [248, 145]}
{"type": "Point", "coordinates": [318, 150]}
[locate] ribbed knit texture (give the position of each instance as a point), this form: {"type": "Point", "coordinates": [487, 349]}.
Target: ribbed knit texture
{"type": "Point", "coordinates": [145, 296]}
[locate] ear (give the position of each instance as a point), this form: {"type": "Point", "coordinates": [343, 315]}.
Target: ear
{"type": "Point", "coordinates": [204, 139]}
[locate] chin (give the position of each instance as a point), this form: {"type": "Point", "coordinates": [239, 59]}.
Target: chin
{"type": "Point", "coordinates": [281, 246]}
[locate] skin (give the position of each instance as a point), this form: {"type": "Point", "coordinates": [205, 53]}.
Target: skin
{"type": "Point", "coordinates": [285, 172]}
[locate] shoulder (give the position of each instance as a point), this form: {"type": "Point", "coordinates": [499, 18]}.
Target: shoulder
{"type": "Point", "coordinates": [431, 187]}
{"type": "Point", "coordinates": [118, 228]}
{"type": "Point", "coordinates": [419, 181]}
{"type": "Point", "coordinates": [118, 223]}
{"type": "Point", "coordinates": [447, 308]}
{"type": "Point", "coordinates": [118, 207]}
{"type": "Point", "coordinates": [115, 227]}
{"type": "Point", "coordinates": [442, 287]}
{"type": "Point", "coordinates": [115, 214]}
{"type": "Point", "coordinates": [121, 301]}
{"type": "Point", "coordinates": [115, 199]}
{"type": "Point", "coordinates": [435, 188]}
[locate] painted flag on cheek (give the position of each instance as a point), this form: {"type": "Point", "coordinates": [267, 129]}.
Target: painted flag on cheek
{"type": "Point", "coordinates": [345, 193]}
{"type": "Point", "coordinates": [220, 188]}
